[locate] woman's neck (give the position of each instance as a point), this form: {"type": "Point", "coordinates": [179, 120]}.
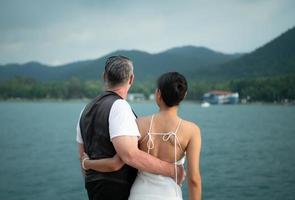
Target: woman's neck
{"type": "Point", "coordinates": [169, 111]}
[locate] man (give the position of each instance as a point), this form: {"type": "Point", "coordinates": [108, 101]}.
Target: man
{"type": "Point", "coordinates": [107, 126]}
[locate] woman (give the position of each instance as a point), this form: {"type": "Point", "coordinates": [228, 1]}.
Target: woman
{"type": "Point", "coordinates": [168, 137]}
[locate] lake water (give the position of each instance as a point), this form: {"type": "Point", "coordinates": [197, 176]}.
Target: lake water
{"type": "Point", "coordinates": [248, 151]}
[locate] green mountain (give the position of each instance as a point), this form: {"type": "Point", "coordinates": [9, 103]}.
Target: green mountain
{"type": "Point", "coordinates": [274, 58]}
{"type": "Point", "coordinates": [198, 63]}
{"type": "Point", "coordinates": [147, 66]}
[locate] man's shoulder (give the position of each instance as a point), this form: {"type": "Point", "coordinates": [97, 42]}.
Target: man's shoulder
{"type": "Point", "coordinates": [121, 107]}
{"type": "Point", "coordinates": [121, 103]}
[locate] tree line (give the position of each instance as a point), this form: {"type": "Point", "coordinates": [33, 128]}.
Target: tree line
{"type": "Point", "coordinates": [264, 89]}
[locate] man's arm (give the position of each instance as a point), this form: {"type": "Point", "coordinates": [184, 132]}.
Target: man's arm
{"type": "Point", "coordinates": [124, 135]}
{"type": "Point", "coordinates": [81, 150]}
{"type": "Point", "coordinates": [102, 165]}
{"type": "Point", "coordinates": [127, 148]}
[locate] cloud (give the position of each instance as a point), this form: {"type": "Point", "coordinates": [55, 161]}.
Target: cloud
{"type": "Point", "coordinates": [64, 31]}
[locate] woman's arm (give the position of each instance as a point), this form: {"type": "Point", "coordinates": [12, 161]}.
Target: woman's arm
{"type": "Point", "coordinates": [193, 158]}
{"type": "Point", "coordinates": [102, 165]}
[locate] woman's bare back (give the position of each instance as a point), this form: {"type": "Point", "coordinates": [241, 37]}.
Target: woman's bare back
{"type": "Point", "coordinates": [166, 132]}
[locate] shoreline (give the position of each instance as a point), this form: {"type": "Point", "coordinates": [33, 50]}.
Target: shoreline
{"type": "Point", "coordinates": [197, 102]}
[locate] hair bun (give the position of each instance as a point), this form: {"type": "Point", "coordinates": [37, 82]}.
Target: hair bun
{"type": "Point", "coordinates": [173, 87]}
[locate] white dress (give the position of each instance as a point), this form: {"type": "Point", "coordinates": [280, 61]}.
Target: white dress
{"type": "Point", "coordinates": [148, 186]}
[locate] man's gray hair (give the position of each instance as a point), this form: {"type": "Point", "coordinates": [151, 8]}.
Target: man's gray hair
{"type": "Point", "coordinates": [118, 70]}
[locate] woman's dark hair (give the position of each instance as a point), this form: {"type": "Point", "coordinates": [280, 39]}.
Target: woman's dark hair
{"type": "Point", "coordinates": [173, 87]}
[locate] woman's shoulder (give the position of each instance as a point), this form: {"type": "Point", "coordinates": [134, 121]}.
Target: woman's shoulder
{"type": "Point", "coordinates": [144, 119]}
{"type": "Point", "coordinates": [191, 127]}
{"type": "Point", "coordinates": [143, 123]}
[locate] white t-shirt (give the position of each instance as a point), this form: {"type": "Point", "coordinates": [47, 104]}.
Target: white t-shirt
{"type": "Point", "coordinates": [121, 121]}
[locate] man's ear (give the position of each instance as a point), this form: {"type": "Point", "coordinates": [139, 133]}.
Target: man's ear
{"type": "Point", "coordinates": [104, 77]}
{"type": "Point", "coordinates": [131, 79]}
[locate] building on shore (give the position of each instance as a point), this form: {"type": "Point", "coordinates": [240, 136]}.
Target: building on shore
{"type": "Point", "coordinates": [136, 97]}
{"type": "Point", "coordinates": [221, 97]}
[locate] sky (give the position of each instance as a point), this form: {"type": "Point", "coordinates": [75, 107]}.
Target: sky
{"type": "Point", "coordinates": [56, 32]}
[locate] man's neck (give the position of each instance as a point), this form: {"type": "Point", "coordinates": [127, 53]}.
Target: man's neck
{"type": "Point", "coordinates": [122, 91]}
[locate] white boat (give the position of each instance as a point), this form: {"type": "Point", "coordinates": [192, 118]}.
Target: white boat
{"type": "Point", "coordinates": [205, 104]}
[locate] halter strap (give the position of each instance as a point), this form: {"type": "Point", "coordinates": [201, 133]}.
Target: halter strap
{"type": "Point", "coordinates": [151, 124]}
{"type": "Point", "coordinates": [165, 137]}
{"type": "Point", "coordinates": [178, 125]}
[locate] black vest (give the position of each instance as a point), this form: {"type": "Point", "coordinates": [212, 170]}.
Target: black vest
{"type": "Point", "coordinates": [94, 125]}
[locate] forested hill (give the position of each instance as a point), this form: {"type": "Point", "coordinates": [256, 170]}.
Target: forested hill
{"type": "Point", "coordinates": [147, 66]}
{"type": "Point", "coordinates": [182, 59]}
{"type": "Point", "coordinates": [274, 58]}
{"type": "Point", "coordinates": [198, 63]}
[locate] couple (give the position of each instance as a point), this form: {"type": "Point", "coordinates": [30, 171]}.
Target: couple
{"type": "Point", "coordinates": [113, 143]}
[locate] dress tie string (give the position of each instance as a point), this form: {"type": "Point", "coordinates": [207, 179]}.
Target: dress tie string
{"type": "Point", "coordinates": [165, 137]}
